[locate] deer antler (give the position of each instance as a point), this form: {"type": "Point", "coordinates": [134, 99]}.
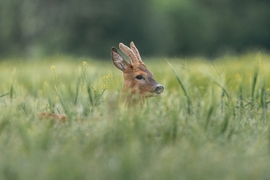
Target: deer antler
{"type": "Point", "coordinates": [136, 52]}
{"type": "Point", "coordinates": [133, 53]}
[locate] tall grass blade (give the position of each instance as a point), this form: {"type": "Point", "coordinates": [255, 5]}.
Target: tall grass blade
{"type": "Point", "coordinates": [90, 95]}
{"type": "Point", "coordinates": [253, 84]}
{"type": "Point", "coordinates": [24, 108]}
{"type": "Point", "coordinates": [77, 91]}
{"type": "Point", "coordinates": [240, 99]}
{"type": "Point", "coordinates": [208, 117]}
{"type": "Point", "coordinates": [11, 94]}
{"type": "Point", "coordinates": [263, 97]}
{"type": "Point", "coordinates": [183, 88]}
{"type": "Point", "coordinates": [225, 123]}
{"type": "Point", "coordinates": [224, 91]}
{"type": "Point", "coordinates": [3, 95]}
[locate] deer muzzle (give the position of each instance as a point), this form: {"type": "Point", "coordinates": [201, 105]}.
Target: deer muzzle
{"type": "Point", "coordinates": [159, 89]}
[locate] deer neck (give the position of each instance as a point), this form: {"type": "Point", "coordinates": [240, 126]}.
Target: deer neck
{"type": "Point", "coordinates": [132, 99]}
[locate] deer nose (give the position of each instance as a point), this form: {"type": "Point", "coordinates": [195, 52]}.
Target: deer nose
{"type": "Point", "coordinates": [159, 89]}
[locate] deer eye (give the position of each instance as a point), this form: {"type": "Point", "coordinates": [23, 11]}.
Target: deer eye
{"type": "Point", "coordinates": [139, 77]}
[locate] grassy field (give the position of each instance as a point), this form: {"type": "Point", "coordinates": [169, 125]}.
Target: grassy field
{"type": "Point", "coordinates": [211, 122]}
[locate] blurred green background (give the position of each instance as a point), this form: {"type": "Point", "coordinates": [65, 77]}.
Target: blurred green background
{"type": "Point", "coordinates": [172, 28]}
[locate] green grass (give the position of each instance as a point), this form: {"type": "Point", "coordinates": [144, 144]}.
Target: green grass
{"type": "Point", "coordinates": [211, 122]}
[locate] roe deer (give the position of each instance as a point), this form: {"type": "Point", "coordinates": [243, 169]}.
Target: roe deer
{"type": "Point", "coordinates": [139, 82]}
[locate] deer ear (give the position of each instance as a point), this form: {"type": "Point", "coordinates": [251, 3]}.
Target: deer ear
{"type": "Point", "coordinates": [118, 60]}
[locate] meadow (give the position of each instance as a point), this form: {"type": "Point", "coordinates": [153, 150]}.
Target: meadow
{"type": "Point", "coordinates": [211, 122]}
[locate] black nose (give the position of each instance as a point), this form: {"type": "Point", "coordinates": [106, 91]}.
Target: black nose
{"type": "Point", "coordinates": [159, 89]}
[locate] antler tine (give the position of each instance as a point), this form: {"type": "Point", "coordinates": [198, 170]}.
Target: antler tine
{"type": "Point", "coordinates": [136, 51]}
{"type": "Point", "coordinates": [129, 53]}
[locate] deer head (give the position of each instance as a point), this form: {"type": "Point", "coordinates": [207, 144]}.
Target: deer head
{"type": "Point", "coordinates": [139, 82]}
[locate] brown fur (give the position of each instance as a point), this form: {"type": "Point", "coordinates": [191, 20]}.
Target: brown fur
{"type": "Point", "coordinates": [139, 82]}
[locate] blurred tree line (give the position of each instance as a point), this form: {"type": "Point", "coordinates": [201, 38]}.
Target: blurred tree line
{"type": "Point", "coordinates": [158, 27]}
